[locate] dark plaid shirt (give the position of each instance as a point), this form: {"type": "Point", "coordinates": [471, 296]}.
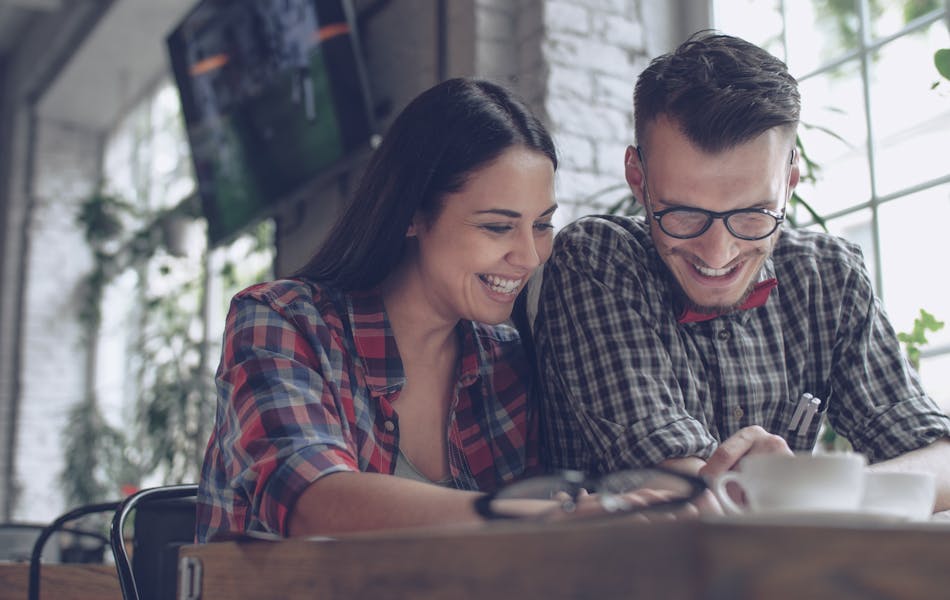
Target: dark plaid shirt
{"type": "Point", "coordinates": [626, 385]}
{"type": "Point", "coordinates": [307, 385]}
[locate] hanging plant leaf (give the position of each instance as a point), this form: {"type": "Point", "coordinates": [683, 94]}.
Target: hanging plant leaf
{"type": "Point", "coordinates": [101, 217]}
{"type": "Point", "coordinates": [942, 61]}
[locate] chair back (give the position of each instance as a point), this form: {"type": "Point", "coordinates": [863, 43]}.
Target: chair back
{"type": "Point", "coordinates": [164, 519]}
{"type": "Point", "coordinates": [54, 528]}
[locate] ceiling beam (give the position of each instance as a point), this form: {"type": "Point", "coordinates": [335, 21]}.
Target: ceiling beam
{"type": "Point", "coordinates": [47, 5]}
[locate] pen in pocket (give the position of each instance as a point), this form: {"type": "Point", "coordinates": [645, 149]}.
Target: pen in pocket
{"type": "Point", "coordinates": [804, 413]}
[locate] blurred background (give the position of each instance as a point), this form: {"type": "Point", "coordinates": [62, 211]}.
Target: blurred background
{"type": "Point", "coordinates": [157, 156]}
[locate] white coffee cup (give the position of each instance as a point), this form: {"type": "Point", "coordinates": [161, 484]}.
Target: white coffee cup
{"type": "Point", "coordinates": [781, 483]}
{"type": "Point", "coordinates": [900, 494]}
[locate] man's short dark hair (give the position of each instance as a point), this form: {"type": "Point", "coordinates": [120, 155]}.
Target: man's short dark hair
{"type": "Point", "coordinates": [721, 90]}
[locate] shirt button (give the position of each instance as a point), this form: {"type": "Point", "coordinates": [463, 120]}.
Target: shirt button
{"type": "Point", "coordinates": [723, 334]}
{"type": "Point", "coordinates": [389, 426]}
{"type": "Point", "coordinates": [737, 412]}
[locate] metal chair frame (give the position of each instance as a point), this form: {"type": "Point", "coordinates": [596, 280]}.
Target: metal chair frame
{"type": "Point", "coordinates": [122, 562]}
{"type": "Point", "coordinates": [33, 589]}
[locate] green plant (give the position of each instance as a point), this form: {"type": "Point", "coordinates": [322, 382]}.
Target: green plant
{"type": "Point", "coordinates": [99, 458]}
{"type": "Point", "coordinates": [842, 17]}
{"type": "Point", "coordinates": [942, 62]}
{"type": "Point", "coordinates": [831, 440]}
{"type": "Point", "coordinates": [102, 216]}
{"type": "Point", "coordinates": [917, 336]}
{"type": "Point", "coordinates": [174, 405]}
{"type": "Point", "coordinates": [93, 449]}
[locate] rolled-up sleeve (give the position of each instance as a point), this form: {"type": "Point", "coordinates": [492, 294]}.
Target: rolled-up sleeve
{"type": "Point", "coordinates": [280, 424]}
{"type": "Point", "coordinates": [882, 407]}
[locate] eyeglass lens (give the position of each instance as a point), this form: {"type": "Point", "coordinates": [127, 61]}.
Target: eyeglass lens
{"type": "Point", "coordinates": [686, 223]}
{"type": "Point", "coordinates": [747, 224]}
{"type": "Point", "coordinates": [622, 491]}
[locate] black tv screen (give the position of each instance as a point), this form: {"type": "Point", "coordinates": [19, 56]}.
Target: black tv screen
{"type": "Point", "coordinates": [273, 93]}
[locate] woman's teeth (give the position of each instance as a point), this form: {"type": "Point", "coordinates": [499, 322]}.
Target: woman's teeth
{"type": "Point", "coordinates": [500, 285]}
{"type": "Point", "coordinates": [714, 272]}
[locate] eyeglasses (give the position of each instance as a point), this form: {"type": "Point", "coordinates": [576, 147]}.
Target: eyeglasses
{"type": "Point", "coordinates": [745, 223]}
{"type": "Point", "coordinates": [748, 224]}
{"type": "Point", "coordinates": [622, 492]}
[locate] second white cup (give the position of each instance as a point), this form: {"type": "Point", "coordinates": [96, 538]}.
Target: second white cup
{"type": "Point", "coordinates": [903, 495]}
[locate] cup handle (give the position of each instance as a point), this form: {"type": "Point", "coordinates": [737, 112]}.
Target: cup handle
{"type": "Point", "coordinates": [719, 487]}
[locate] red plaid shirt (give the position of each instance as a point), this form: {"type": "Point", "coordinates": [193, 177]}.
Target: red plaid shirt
{"type": "Point", "coordinates": [306, 387]}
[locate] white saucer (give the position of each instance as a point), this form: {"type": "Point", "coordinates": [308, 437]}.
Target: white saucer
{"type": "Point", "coordinates": [821, 518]}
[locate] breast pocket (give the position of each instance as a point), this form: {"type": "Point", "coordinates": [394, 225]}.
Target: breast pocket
{"type": "Point", "coordinates": [800, 421]}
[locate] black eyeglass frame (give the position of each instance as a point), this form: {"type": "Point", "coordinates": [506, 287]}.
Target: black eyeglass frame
{"type": "Point", "coordinates": [711, 216]}
{"type": "Point", "coordinates": [611, 502]}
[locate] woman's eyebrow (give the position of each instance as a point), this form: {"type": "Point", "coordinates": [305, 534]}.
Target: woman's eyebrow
{"type": "Point", "coordinates": [505, 212]}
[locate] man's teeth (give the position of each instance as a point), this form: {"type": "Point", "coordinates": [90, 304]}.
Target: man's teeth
{"type": "Point", "coordinates": [501, 285]}
{"type": "Point", "coordinates": [714, 272]}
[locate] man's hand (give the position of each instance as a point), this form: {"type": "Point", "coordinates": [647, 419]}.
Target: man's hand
{"type": "Point", "coordinates": [748, 440]}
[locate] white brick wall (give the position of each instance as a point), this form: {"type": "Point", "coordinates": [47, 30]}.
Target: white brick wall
{"type": "Point", "coordinates": [592, 49]}
{"type": "Point", "coordinates": [53, 357]}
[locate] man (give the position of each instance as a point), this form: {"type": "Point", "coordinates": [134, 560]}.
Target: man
{"type": "Point", "coordinates": [699, 333]}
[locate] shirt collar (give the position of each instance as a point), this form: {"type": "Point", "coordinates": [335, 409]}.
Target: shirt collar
{"type": "Point", "coordinates": [470, 366]}
{"type": "Point", "coordinates": [379, 354]}
{"type": "Point", "coordinates": [375, 342]}
{"type": "Point", "coordinates": [760, 293]}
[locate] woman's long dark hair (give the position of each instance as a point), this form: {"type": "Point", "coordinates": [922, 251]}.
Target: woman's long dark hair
{"type": "Point", "coordinates": [436, 142]}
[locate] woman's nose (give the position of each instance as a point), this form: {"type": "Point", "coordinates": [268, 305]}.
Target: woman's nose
{"type": "Point", "coordinates": [525, 251]}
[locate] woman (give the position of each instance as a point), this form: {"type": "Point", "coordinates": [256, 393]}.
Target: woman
{"type": "Point", "coordinates": [385, 355]}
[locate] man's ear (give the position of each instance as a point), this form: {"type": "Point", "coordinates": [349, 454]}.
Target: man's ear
{"type": "Point", "coordinates": [795, 173]}
{"type": "Point", "coordinates": [633, 172]}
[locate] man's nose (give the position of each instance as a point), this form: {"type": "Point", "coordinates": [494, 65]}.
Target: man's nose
{"type": "Point", "coordinates": [717, 246]}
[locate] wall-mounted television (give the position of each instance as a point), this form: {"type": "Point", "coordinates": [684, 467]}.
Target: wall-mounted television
{"type": "Point", "coordinates": [273, 93]}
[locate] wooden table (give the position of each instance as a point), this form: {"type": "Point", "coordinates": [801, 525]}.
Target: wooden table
{"type": "Point", "coordinates": [605, 559]}
{"type": "Point", "coordinates": [61, 582]}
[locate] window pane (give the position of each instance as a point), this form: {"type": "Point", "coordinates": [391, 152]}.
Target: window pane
{"type": "Point", "coordinates": [834, 136]}
{"type": "Point", "coordinates": [856, 227]}
{"type": "Point", "coordinates": [171, 178]}
{"type": "Point", "coordinates": [935, 373]}
{"type": "Point", "coordinates": [117, 340]}
{"type": "Point", "coordinates": [911, 121]}
{"type": "Point", "coordinates": [913, 236]}
{"type": "Point", "coordinates": [890, 16]}
{"type": "Point", "coordinates": [820, 31]}
{"type": "Point", "coordinates": [756, 21]}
